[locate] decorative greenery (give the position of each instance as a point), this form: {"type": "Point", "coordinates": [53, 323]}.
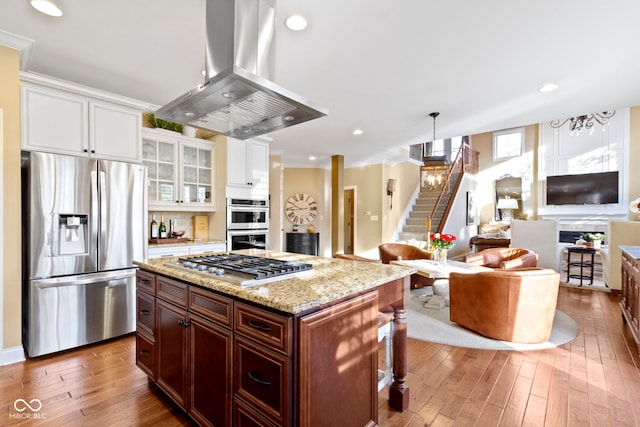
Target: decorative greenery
{"type": "Point", "coordinates": [592, 237]}
{"type": "Point", "coordinates": [442, 241]}
{"type": "Point", "coordinates": [162, 124]}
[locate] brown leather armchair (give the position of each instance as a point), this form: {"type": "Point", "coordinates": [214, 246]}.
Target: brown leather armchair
{"type": "Point", "coordinates": [398, 251]}
{"type": "Point", "coordinates": [503, 258]}
{"type": "Point", "coordinates": [508, 305]}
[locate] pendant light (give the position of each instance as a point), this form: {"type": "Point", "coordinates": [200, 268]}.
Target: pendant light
{"type": "Point", "coordinates": [433, 168]}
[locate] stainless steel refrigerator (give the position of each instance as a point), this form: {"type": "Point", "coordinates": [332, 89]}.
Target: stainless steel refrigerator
{"type": "Point", "coordinates": [84, 222]}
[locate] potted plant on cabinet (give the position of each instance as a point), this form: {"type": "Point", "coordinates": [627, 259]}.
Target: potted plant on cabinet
{"type": "Point", "coordinates": [593, 240]}
{"type": "Point", "coordinates": [162, 124]}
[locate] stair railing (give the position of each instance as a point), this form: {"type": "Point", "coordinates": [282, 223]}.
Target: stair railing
{"type": "Point", "coordinates": [466, 161]}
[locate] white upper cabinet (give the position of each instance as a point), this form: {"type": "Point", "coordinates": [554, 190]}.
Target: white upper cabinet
{"type": "Point", "coordinates": [67, 123]}
{"type": "Point", "coordinates": [114, 131]}
{"type": "Point", "coordinates": [247, 168]}
{"type": "Point", "coordinates": [180, 171]}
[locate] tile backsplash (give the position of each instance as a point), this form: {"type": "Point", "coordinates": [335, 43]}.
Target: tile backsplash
{"type": "Point", "coordinates": [184, 221]}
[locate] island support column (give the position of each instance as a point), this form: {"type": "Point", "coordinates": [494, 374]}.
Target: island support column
{"type": "Point", "coordinates": [396, 294]}
{"type": "Point", "coordinates": [399, 390]}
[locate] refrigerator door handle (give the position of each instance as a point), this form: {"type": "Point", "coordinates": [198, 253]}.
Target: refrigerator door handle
{"type": "Point", "coordinates": [85, 279]}
{"type": "Point", "coordinates": [102, 215]}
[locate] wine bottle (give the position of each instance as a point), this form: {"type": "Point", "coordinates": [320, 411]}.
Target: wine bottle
{"type": "Point", "coordinates": [154, 227]}
{"type": "Point", "coordinates": [163, 228]}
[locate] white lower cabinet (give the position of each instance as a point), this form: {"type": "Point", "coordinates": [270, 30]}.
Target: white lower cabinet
{"type": "Point", "coordinates": [208, 249]}
{"type": "Point", "coordinates": [167, 251]}
{"type": "Point", "coordinates": [181, 250]}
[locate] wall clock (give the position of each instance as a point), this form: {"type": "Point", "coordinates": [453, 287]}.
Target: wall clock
{"type": "Point", "coordinates": [301, 209]}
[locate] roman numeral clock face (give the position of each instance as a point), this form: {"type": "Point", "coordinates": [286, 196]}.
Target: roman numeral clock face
{"type": "Point", "coordinates": [301, 209]}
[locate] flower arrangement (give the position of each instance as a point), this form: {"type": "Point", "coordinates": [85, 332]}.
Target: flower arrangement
{"type": "Point", "coordinates": [634, 210]}
{"type": "Point", "coordinates": [442, 241]}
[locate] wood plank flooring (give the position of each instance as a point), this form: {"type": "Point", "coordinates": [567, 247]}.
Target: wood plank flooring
{"type": "Point", "coordinates": [592, 381]}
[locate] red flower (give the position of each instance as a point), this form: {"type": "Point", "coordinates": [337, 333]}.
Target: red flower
{"type": "Point", "coordinates": [445, 241]}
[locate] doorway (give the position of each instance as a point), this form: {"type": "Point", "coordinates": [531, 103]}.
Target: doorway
{"type": "Point", "coordinates": [349, 220]}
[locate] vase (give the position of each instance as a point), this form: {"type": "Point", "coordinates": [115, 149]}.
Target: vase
{"type": "Point", "coordinates": [441, 256]}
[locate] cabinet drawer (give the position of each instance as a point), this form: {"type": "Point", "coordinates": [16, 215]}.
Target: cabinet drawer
{"type": "Point", "coordinates": [273, 330]}
{"type": "Point", "coordinates": [146, 355]}
{"type": "Point", "coordinates": [262, 379]}
{"type": "Point", "coordinates": [172, 291]}
{"type": "Point", "coordinates": [208, 249]}
{"type": "Point", "coordinates": [167, 251]}
{"type": "Point", "coordinates": [244, 416]}
{"type": "Point", "coordinates": [145, 313]}
{"type": "Point", "coordinates": [146, 281]}
{"type": "Point", "coordinates": [211, 306]}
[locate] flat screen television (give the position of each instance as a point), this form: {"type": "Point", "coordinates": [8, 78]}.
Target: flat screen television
{"type": "Point", "coordinates": [583, 189]}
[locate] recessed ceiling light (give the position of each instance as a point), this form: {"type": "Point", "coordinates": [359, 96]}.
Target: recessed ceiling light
{"type": "Point", "coordinates": [48, 7]}
{"type": "Point", "coordinates": [358, 132]}
{"type": "Point", "coordinates": [312, 157]}
{"type": "Point", "coordinates": [549, 87]}
{"type": "Point", "coordinates": [296, 23]}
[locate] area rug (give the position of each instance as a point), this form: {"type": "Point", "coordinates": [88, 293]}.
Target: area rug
{"type": "Point", "coordinates": [434, 326]}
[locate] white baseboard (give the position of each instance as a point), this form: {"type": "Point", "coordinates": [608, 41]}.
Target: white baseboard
{"type": "Point", "coordinates": [12, 355]}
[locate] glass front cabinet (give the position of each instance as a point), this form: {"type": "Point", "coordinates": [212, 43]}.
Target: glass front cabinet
{"type": "Point", "coordinates": [180, 171]}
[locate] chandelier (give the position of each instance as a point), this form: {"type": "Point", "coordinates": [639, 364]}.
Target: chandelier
{"type": "Point", "coordinates": [434, 168]}
{"type": "Point", "coordinates": [579, 124]}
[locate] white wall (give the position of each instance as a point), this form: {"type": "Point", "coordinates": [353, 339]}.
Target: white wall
{"type": "Point", "coordinates": [606, 149]}
{"type": "Point", "coordinates": [457, 222]}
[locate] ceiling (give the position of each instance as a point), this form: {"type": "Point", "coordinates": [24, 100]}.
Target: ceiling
{"type": "Point", "coordinates": [380, 66]}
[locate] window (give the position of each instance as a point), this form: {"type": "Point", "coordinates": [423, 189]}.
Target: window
{"type": "Point", "coordinates": [508, 143]}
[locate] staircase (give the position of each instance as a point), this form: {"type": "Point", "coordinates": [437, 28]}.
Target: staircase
{"type": "Point", "coordinates": [415, 227]}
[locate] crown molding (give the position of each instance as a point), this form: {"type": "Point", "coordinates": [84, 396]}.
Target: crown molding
{"type": "Point", "coordinates": [19, 43]}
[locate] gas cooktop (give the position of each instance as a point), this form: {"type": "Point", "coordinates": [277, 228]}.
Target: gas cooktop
{"type": "Point", "coordinates": [243, 270]}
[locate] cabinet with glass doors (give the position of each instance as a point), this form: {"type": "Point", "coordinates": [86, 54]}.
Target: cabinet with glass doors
{"type": "Point", "coordinates": [180, 171]}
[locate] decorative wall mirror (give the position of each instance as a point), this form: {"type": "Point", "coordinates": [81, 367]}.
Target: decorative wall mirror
{"type": "Point", "coordinates": [508, 198]}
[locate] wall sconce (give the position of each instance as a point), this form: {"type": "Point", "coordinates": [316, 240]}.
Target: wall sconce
{"type": "Point", "coordinates": [391, 188]}
{"type": "Point", "coordinates": [506, 206]}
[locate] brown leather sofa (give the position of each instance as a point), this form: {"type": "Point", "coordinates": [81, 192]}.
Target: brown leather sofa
{"type": "Point", "coordinates": [480, 242]}
{"type": "Point", "coordinates": [503, 258]}
{"type": "Point", "coordinates": [399, 251]}
{"type": "Point", "coordinates": [507, 305]}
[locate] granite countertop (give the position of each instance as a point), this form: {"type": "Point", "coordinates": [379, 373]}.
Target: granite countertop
{"type": "Point", "coordinates": [632, 251]}
{"type": "Point", "coordinates": [189, 243]}
{"type": "Point", "coordinates": [331, 279]}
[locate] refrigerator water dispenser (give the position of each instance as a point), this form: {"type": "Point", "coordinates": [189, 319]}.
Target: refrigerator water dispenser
{"type": "Point", "coordinates": [72, 234]}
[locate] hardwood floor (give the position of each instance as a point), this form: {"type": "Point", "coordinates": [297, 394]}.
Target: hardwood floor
{"type": "Point", "coordinates": [594, 380]}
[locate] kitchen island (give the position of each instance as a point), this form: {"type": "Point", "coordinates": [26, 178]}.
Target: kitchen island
{"type": "Point", "coordinates": [302, 350]}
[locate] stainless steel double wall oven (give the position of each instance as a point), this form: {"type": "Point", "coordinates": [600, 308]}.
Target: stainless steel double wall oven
{"type": "Point", "coordinates": [247, 224]}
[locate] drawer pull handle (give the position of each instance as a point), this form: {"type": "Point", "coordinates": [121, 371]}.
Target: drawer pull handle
{"type": "Point", "coordinates": [145, 312]}
{"type": "Point", "coordinates": [145, 281]}
{"type": "Point", "coordinates": [145, 353]}
{"type": "Point", "coordinates": [259, 326]}
{"type": "Point", "coordinates": [254, 376]}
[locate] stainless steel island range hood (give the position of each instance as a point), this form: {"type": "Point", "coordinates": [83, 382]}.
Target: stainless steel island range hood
{"type": "Point", "coordinates": [237, 98]}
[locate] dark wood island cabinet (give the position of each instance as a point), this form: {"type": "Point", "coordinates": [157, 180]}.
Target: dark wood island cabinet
{"type": "Point", "coordinates": [630, 303]}
{"type": "Point", "coordinates": [263, 356]}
